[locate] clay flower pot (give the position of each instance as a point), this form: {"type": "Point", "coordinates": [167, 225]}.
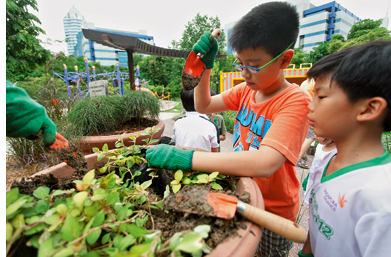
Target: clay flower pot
{"type": "Point", "coordinates": [89, 142]}
{"type": "Point", "coordinates": [243, 245]}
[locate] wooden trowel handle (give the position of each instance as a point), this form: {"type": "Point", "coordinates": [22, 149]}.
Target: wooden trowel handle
{"type": "Point", "coordinates": [216, 33]}
{"type": "Point", "coordinates": [281, 226]}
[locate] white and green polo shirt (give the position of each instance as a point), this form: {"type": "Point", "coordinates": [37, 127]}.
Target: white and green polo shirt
{"type": "Point", "coordinates": [350, 209]}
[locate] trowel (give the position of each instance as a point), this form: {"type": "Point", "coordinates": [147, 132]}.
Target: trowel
{"type": "Point", "coordinates": [225, 206]}
{"type": "Point", "coordinates": [194, 67]}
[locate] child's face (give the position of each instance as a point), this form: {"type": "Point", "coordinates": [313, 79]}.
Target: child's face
{"type": "Point", "coordinates": [331, 113]}
{"type": "Point", "coordinates": [266, 77]}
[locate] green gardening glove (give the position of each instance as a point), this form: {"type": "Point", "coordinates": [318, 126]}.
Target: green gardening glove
{"type": "Point", "coordinates": [26, 117]}
{"type": "Point", "coordinates": [207, 46]}
{"type": "Point", "coordinates": [169, 157]}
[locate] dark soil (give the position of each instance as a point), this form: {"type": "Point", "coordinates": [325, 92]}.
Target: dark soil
{"type": "Point", "coordinates": [130, 126]}
{"type": "Point", "coordinates": [189, 82]}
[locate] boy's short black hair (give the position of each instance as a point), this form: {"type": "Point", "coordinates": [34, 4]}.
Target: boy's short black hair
{"type": "Point", "coordinates": [270, 26]}
{"type": "Point", "coordinates": [366, 73]}
{"type": "Point", "coordinates": [361, 72]}
{"type": "Point", "coordinates": [187, 98]}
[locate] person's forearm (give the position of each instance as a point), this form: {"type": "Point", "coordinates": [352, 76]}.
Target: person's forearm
{"type": "Point", "coordinates": [260, 163]}
{"type": "Point", "coordinates": [222, 137]}
{"type": "Point", "coordinates": [307, 246]}
{"type": "Point", "coordinates": [202, 93]}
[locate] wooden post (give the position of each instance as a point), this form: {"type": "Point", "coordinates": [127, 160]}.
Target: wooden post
{"type": "Point", "coordinates": [131, 69]}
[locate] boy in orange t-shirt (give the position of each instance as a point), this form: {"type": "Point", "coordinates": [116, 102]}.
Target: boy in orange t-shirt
{"type": "Point", "coordinates": [271, 123]}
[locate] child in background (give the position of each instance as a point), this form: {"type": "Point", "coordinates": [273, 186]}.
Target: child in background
{"type": "Point", "coordinates": [325, 149]}
{"type": "Point", "coordinates": [271, 121]}
{"type": "Point", "coordinates": [195, 130]}
{"type": "Point", "coordinates": [350, 208]}
{"type": "Point", "coordinates": [219, 121]}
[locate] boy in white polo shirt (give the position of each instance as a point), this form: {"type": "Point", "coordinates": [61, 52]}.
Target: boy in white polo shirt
{"type": "Point", "coordinates": [350, 201]}
{"type": "Point", "coordinates": [195, 130]}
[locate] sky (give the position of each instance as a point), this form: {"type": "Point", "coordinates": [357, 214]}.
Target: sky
{"type": "Point", "coordinates": [165, 20]}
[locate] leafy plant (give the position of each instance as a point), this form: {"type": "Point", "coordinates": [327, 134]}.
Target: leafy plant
{"type": "Point", "coordinates": [191, 178]}
{"type": "Point", "coordinates": [105, 216]}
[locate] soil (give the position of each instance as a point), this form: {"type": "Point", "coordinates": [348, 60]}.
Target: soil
{"type": "Point", "coordinates": [189, 82]}
{"type": "Point", "coordinates": [169, 223]}
{"type": "Point", "coordinates": [130, 126]}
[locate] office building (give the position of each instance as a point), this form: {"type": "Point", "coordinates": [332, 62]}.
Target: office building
{"type": "Point", "coordinates": [72, 21]}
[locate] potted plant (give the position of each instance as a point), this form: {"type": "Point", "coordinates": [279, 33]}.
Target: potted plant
{"type": "Point", "coordinates": [106, 214]}
{"type": "Point", "coordinates": [96, 121]}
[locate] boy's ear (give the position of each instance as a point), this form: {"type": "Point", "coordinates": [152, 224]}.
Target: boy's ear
{"type": "Point", "coordinates": [287, 58]}
{"type": "Point", "coordinates": [371, 109]}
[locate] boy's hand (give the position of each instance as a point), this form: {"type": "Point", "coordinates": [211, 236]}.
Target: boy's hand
{"type": "Point", "coordinates": [207, 46]}
{"type": "Point", "coordinates": [26, 117]}
{"type": "Point", "coordinates": [169, 157]}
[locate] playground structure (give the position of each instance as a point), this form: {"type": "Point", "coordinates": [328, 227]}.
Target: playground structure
{"type": "Point", "coordinates": [230, 79]}
{"type": "Point", "coordinates": [116, 76]}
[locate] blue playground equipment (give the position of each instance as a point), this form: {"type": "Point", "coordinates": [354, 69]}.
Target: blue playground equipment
{"type": "Point", "coordinates": [116, 76]}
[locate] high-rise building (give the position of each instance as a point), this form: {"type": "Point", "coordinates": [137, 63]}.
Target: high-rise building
{"type": "Point", "coordinates": [78, 45]}
{"type": "Point", "coordinates": [73, 22]}
{"type": "Point", "coordinates": [317, 23]}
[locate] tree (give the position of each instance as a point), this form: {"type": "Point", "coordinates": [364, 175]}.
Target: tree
{"type": "Point", "coordinates": [298, 57]}
{"type": "Point", "coordinates": [319, 52]}
{"type": "Point", "coordinates": [23, 50]}
{"type": "Point", "coordinates": [363, 27]}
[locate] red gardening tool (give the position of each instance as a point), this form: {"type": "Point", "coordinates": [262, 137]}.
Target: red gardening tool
{"type": "Point", "coordinates": [60, 143]}
{"type": "Point", "coordinates": [225, 206]}
{"type": "Point", "coordinates": [194, 67]}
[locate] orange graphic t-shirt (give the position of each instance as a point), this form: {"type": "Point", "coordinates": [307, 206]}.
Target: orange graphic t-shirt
{"type": "Point", "coordinates": [280, 123]}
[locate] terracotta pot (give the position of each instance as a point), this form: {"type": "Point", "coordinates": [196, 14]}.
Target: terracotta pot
{"type": "Point", "coordinates": [245, 244]}
{"type": "Point", "coordinates": [98, 141]}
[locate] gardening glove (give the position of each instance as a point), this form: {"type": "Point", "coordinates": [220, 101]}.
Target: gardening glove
{"type": "Point", "coordinates": [207, 46]}
{"type": "Point", "coordinates": [169, 157]}
{"type": "Point", "coordinates": [25, 117]}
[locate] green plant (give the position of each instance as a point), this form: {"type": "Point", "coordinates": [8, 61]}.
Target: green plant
{"type": "Point", "coordinates": [229, 120]}
{"type": "Point", "coordinates": [106, 216]}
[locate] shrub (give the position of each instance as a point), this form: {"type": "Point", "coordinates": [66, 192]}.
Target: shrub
{"type": "Point", "coordinates": [229, 120]}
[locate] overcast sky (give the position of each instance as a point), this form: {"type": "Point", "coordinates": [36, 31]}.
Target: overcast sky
{"type": "Point", "coordinates": [165, 20]}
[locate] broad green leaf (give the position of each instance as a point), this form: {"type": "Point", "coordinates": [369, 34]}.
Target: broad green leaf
{"type": "Point", "coordinates": [178, 175]}
{"type": "Point", "coordinates": [62, 209]}
{"type": "Point", "coordinates": [105, 238]}
{"type": "Point", "coordinates": [202, 178]}
{"type": "Point", "coordinates": [146, 184]}
{"type": "Point", "coordinates": [213, 175]}
{"type": "Point", "coordinates": [129, 163]}
{"type": "Point", "coordinates": [54, 225]}
{"type": "Point", "coordinates": [70, 229]}
{"type": "Point", "coordinates": [136, 231]}
{"type": "Point", "coordinates": [202, 230]}
{"type": "Point", "coordinates": [122, 214]}
{"type": "Point", "coordinates": [41, 192]}
{"type": "Point", "coordinates": [167, 191]}
{"type": "Point", "coordinates": [216, 186]}
{"type": "Point", "coordinates": [126, 242]}
{"type": "Point", "coordinates": [33, 241]}
{"type": "Point", "coordinates": [103, 169]}
{"type": "Point", "coordinates": [32, 219]}
{"type": "Point", "coordinates": [42, 206]}
{"type": "Point", "coordinates": [112, 198]}
{"type": "Point", "coordinates": [9, 230]}
{"type": "Point", "coordinates": [18, 221]}
{"type": "Point", "coordinates": [12, 195]}
{"type": "Point", "coordinates": [88, 226]}
{"type": "Point", "coordinates": [99, 194]}
{"type": "Point", "coordinates": [95, 149]}
{"type": "Point", "coordinates": [140, 249]}
{"type": "Point", "coordinates": [176, 188]}
{"type": "Point", "coordinates": [87, 179]}
{"type": "Point", "coordinates": [99, 218]}
{"type": "Point", "coordinates": [105, 148]}
{"type": "Point", "coordinates": [94, 236]}
{"type": "Point", "coordinates": [186, 181]}
{"type": "Point", "coordinates": [65, 252]}
{"type": "Point", "coordinates": [57, 192]}
{"type": "Point", "coordinates": [46, 248]}
{"type": "Point", "coordinates": [52, 219]}
{"type": "Point", "coordinates": [34, 230]}
{"type": "Point", "coordinates": [79, 198]}
{"type": "Point", "coordinates": [91, 210]}
{"type": "Point", "coordinates": [12, 208]}
{"type": "Point", "coordinates": [117, 240]}
{"type": "Point", "coordinates": [191, 243]}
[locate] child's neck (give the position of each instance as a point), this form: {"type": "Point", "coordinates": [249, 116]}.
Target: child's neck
{"type": "Point", "coordinates": [273, 90]}
{"type": "Point", "coordinates": [355, 151]}
{"type": "Point", "coordinates": [328, 147]}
